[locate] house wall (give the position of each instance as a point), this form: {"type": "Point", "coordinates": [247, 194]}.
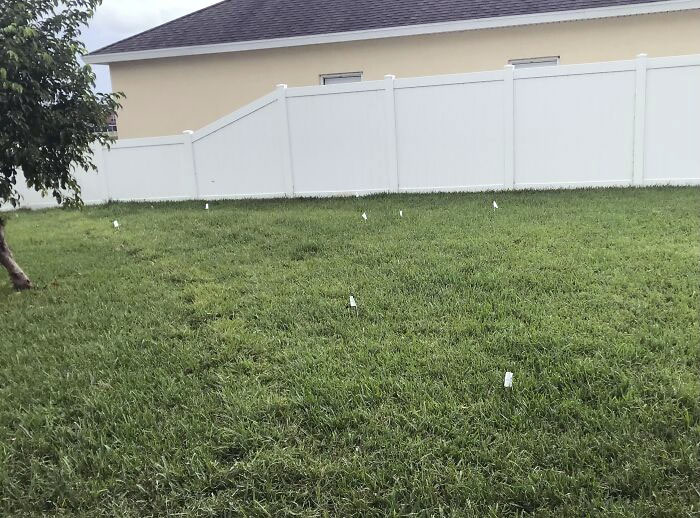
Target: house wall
{"type": "Point", "coordinates": [167, 96]}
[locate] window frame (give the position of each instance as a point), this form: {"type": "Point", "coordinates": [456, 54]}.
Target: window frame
{"type": "Point", "coordinates": [539, 61]}
{"type": "Point", "coordinates": [338, 75]}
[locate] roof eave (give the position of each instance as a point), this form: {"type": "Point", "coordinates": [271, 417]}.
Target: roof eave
{"type": "Point", "coordinates": [392, 32]}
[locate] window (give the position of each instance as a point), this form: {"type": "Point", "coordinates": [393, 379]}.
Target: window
{"type": "Point", "coordinates": [112, 123]}
{"type": "Point", "coordinates": [547, 61]}
{"type": "Point", "coordinates": [336, 79]}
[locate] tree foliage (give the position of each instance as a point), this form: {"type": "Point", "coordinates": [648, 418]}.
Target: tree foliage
{"type": "Point", "coordinates": [49, 113]}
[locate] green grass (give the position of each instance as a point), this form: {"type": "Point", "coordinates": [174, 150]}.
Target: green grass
{"type": "Point", "coordinates": [206, 363]}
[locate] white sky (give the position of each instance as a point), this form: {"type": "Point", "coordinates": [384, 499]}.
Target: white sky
{"type": "Point", "coordinates": [119, 19]}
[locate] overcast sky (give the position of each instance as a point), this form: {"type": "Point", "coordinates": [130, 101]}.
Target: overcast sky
{"type": "Point", "coordinates": [119, 19]}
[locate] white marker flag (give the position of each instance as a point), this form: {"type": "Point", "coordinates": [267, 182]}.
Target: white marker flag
{"type": "Point", "coordinates": [353, 304]}
{"type": "Point", "coordinates": [508, 382]}
{"type": "Point", "coordinates": [495, 205]}
{"type": "Point", "coordinates": [364, 216]}
{"type": "Point", "coordinates": [116, 224]}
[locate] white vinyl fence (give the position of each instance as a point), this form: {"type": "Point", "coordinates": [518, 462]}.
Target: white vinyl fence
{"type": "Point", "coordinates": [623, 123]}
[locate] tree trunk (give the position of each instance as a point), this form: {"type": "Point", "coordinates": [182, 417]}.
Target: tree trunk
{"type": "Point", "coordinates": [19, 279]}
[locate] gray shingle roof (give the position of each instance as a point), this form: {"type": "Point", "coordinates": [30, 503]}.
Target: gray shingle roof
{"type": "Point", "coordinates": [247, 20]}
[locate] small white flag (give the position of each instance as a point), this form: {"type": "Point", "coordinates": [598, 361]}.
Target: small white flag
{"type": "Point", "coordinates": [364, 216]}
{"type": "Point", "coordinates": [508, 382]}
{"type": "Point", "coordinates": [353, 304]}
{"type": "Point", "coordinates": [206, 206]}
{"type": "Point", "coordinates": [116, 224]}
{"type": "Point", "coordinates": [495, 205]}
{"type": "Point", "coordinates": [401, 214]}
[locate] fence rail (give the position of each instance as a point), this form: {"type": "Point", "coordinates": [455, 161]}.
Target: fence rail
{"type": "Point", "coordinates": [623, 123]}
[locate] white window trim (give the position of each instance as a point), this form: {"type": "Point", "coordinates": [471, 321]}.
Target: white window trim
{"type": "Point", "coordinates": [409, 30]}
{"type": "Point", "coordinates": [534, 62]}
{"type": "Point", "coordinates": [322, 78]}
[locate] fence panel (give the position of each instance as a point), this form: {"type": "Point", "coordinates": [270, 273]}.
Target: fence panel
{"type": "Point", "coordinates": [574, 129]}
{"type": "Point", "coordinates": [243, 158]}
{"type": "Point", "coordinates": [92, 184]}
{"type": "Point", "coordinates": [672, 143]}
{"type": "Point", "coordinates": [338, 142]}
{"type": "Point", "coordinates": [450, 137]}
{"type": "Point", "coordinates": [148, 169]}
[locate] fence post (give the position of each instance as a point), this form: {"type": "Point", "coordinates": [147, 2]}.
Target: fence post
{"type": "Point", "coordinates": [640, 109]}
{"type": "Point", "coordinates": [287, 165]}
{"type": "Point", "coordinates": [391, 143]}
{"type": "Point", "coordinates": [509, 121]}
{"type": "Point", "coordinates": [190, 166]}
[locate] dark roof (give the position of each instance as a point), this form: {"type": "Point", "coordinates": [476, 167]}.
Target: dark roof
{"type": "Point", "coordinates": [247, 20]}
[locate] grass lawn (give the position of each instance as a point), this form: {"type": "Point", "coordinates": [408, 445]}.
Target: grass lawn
{"type": "Point", "coordinates": [205, 363]}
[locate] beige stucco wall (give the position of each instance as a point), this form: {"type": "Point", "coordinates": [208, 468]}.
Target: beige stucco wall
{"type": "Point", "coordinates": [167, 96]}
